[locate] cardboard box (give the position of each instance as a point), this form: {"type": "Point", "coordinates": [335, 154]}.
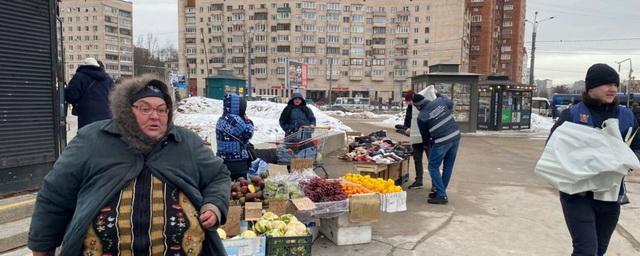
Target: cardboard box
{"type": "Point", "coordinates": [246, 246]}
{"type": "Point", "coordinates": [398, 170]}
{"type": "Point", "coordinates": [252, 210]}
{"type": "Point", "coordinates": [232, 226]}
{"type": "Point", "coordinates": [278, 207]}
{"type": "Point", "coordinates": [339, 231]}
{"type": "Point", "coordinates": [301, 204]}
{"type": "Point", "coordinates": [364, 208]}
{"type": "Point", "coordinates": [393, 202]}
{"type": "Point", "coordinates": [277, 169]}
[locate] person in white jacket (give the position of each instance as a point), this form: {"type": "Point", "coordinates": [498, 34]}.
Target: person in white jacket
{"type": "Point", "coordinates": [419, 148]}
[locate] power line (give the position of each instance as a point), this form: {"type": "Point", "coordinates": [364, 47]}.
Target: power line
{"type": "Point", "coordinates": [588, 53]}
{"type": "Point", "coordinates": [588, 40]}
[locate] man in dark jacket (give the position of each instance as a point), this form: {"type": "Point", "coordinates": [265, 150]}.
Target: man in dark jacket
{"type": "Point", "coordinates": [591, 222]}
{"type": "Point", "coordinates": [233, 132]}
{"type": "Point", "coordinates": [117, 174]}
{"type": "Point", "coordinates": [439, 130]}
{"type": "Point", "coordinates": [296, 115]}
{"type": "Point", "coordinates": [88, 92]}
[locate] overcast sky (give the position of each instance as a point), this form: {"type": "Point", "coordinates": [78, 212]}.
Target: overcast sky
{"type": "Point", "coordinates": [583, 32]}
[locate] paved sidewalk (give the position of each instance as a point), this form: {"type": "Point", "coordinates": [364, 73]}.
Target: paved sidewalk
{"type": "Point", "coordinates": [497, 207]}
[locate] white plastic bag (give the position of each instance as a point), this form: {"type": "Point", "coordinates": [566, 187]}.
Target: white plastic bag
{"type": "Point", "coordinates": [579, 158]}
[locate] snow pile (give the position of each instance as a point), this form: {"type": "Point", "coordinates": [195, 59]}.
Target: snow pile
{"type": "Point", "coordinates": [396, 119]}
{"type": "Point", "coordinates": [539, 122]}
{"type": "Point", "coordinates": [200, 115]}
{"type": "Point", "coordinates": [358, 115]}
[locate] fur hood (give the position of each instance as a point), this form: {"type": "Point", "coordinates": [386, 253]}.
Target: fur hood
{"type": "Point", "coordinates": [123, 115]}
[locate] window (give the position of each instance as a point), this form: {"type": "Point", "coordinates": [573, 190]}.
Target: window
{"type": "Point", "coordinates": [309, 27]}
{"type": "Point", "coordinates": [426, 30]}
{"type": "Point", "coordinates": [357, 18]}
{"type": "Point", "coordinates": [476, 28]}
{"type": "Point", "coordinates": [308, 5]}
{"type": "Point", "coordinates": [124, 13]}
{"type": "Point", "coordinates": [476, 18]}
{"type": "Point", "coordinates": [475, 48]}
{"type": "Point", "coordinates": [283, 48]}
{"type": "Point", "coordinates": [190, 29]}
{"type": "Point", "coordinates": [357, 51]}
{"type": "Point", "coordinates": [333, 39]}
{"type": "Point", "coordinates": [333, 6]}
{"type": "Point", "coordinates": [124, 31]}
{"type": "Point", "coordinates": [507, 23]}
{"type": "Point", "coordinates": [110, 29]}
{"type": "Point", "coordinates": [505, 56]}
{"type": "Point", "coordinates": [111, 66]}
{"type": "Point", "coordinates": [308, 49]}
{"type": "Point", "coordinates": [508, 7]}
{"type": "Point", "coordinates": [357, 29]}
{"type": "Point", "coordinates": [308, 16]}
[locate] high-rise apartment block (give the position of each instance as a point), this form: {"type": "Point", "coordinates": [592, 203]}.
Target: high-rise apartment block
{"type": "Point", "coordinates": [102, 29]}
{"type": "Point", "coordinates": [497, 37]}
{"type": "Point", "coordinates": [366, 48]}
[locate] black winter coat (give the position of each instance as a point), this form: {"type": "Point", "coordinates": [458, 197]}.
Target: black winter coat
{"type": "Point", "coordinates": [89, 91]}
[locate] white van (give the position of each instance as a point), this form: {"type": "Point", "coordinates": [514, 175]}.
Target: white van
{"type": "Point", "coordinates": [541, 106]}
{"type": "Point", "coordinates": [351, 104]}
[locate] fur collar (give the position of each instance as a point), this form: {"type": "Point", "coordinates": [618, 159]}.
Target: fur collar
{"type": "Point", "coordinates": [124, 118]}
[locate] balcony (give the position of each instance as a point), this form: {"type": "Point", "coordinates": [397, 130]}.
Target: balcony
{"type": "Point", "coordinates": [377, 78]}
{"type": "Point", "coordinates": [402, 35]}
{"type": "Point", "coordinates": [355, 78]}
{"type": "Point", "coordinates": [400, 56]}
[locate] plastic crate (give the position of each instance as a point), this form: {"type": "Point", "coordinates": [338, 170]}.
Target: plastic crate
{"type": "Point", "coordinates": [289, 246]}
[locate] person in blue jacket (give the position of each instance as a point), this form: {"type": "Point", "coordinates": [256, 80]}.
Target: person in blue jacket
{"type": "Point", "coordinates": [440, 131]}
{"type": "Point", "coordinates": [592, 222]}
{"type": "Point", "coordinates": [233, 132]}
{"type": "Point", "coordinates": [296, 115]}
{"type": "Point", "coordinates": [88, 92]}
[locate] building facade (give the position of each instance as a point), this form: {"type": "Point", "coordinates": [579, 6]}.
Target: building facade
{"type": "Point", "coordinates": [367, 49]}
{"type": "Point", "coordinates": [497, 37]}
{"type": "Point", "coordinates": [102, 29]}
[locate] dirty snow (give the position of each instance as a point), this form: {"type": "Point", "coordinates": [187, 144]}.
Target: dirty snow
{"type": "Point", "coordinates": [358, 115]}
{"type": "Point", "coordinates": [201, 114]}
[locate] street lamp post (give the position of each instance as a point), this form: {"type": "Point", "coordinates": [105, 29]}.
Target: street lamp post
{"type": "Point", "coordinates": [533, 45]}
{"type": "Point", "coordinates": [630, 71]}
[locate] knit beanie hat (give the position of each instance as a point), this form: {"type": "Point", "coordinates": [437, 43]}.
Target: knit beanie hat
{"type": "Point", "coordinates": [418, 100]}
{"type": "Point", "coordinates": [147, 91]}
{"type": "Point", "coordinates": [600, 74]}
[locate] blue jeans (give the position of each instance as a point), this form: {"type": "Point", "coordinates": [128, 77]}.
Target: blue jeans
{"type": "Point", "coordinates": [442, 154]}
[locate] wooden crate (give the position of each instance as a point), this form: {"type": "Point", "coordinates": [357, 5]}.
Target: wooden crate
{"type": "Point", "coordinates": [372, 169]}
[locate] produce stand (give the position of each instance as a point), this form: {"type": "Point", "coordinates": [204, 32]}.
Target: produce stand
{"type": "Point", "coordinates": [283, 214]}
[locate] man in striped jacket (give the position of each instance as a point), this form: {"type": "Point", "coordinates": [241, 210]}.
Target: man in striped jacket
{"type": "Point", "coordinates": [439, 130]}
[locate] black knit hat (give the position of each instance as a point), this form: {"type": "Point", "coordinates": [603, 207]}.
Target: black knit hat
{"type": "Point", "coordinates": [601, 74]}
{"type": "Point", "coordinates": [147, 91]}
{"type": "Point", "coordinates": [418, 100]}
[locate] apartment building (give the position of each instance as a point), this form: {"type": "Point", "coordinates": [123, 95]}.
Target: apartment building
{"type": "Point", "coordinates": [497, 37]}
{"type": "Point", "coordinates": [363, 48]}
{"type": "Point", "coordinates": [102, 29]}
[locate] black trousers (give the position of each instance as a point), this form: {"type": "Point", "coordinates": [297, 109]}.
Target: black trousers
{"type": "Point", "coordinates": [418, 151]}
{"type": "Point", "coordinates": [591, 222]}
{"type": "Point", "coordinates": [237, 169]}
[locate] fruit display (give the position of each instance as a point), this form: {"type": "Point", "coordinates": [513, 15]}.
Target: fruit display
{"type": "Point", "coordinates": [374, 184]}
{"type": "Point", "coordinates": [245, 190]}
{"type": "Point", "coordinates": [273, 226]}
{"type": "Point", "coordinates": [321, 190]}
{"type": "Point", "coordinates": [351, 188]}
{"type": "Point", "coordinates": [282, 189]}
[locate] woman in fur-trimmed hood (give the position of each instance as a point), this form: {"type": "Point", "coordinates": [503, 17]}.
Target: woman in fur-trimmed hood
{"type": "Point", "coordinates": [115, 174]}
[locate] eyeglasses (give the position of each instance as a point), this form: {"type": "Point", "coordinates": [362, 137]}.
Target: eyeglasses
{"type": "Point", "coordinates": [146, 110]}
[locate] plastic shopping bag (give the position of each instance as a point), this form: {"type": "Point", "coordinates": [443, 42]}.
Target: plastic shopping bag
{"type": "Point", "coordinates": [579, 158]}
